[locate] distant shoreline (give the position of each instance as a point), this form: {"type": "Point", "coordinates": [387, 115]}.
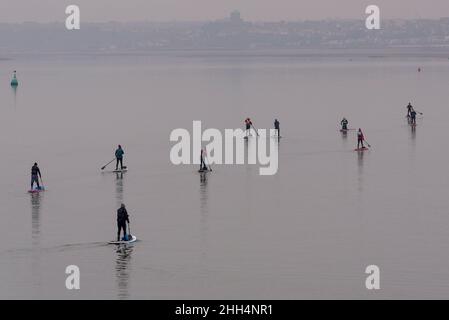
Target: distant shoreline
{"type": "Point", "coordinates": [375, 53]}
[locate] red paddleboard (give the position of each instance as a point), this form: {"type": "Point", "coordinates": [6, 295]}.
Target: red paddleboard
{"type": "Point", "coordinates": [361, 149]}
{"type": "Point", "coordinates": [34, 191]}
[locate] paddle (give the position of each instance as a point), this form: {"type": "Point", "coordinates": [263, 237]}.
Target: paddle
{"type": "Point", "coordinates": [42, 182]}
{"type": "Point", "coordinates": [369, 146]}
{"type": "Point", "coordinates": [255, 129]}
{"type": "Point", "coordinates": [102, 168]}
{"type": "Point", "coordinates": [408, 116]}
{"type": "Point", "coordinates": [129, 232]}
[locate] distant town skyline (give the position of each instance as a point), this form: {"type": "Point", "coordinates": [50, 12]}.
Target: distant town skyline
{"type": "Point", "coordinates": [206, 10]}
{"type": "Point", "coordinates": [231, 33]}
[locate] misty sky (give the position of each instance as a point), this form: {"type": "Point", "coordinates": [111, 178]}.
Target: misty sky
{"type": "Point", "coordinates": [188, 10]}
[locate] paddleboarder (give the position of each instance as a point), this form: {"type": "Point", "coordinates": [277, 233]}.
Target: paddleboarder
{"type": "Point", "coordinates": [360, 139]}
{"type": "Point", "coordinates": [14, 81]}
{"type": "Point", "coordinates": [344, 124]}
{"type": "Point", "coordinates": [119, 157]}
{"type": "Point", "coordinates": [35, 175]}
{"type": "Point", "coordinates": [122, 219]}
{"type": "Point", "coordinates": [203, 166]}
{"type": "Point", "coordinates": [413, 117]}
{"type": "Point", "coordinates": [277, 127]}
{"type": "Point", "coordinates": [409, 110]}
{"type": "Point", "coordinates": [248, 125]}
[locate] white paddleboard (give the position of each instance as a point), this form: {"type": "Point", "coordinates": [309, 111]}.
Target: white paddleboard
{"type": "Point", "coordinates": [119, 171]}
{"type": "Point", "coordinates": [133, 239]}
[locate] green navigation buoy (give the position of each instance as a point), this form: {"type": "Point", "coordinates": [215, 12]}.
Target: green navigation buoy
{"type": "Point", "coordinates": [14, 81]}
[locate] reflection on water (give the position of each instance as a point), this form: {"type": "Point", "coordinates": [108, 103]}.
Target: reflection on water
{"type": "Point", "coordinates": [36, 201]}
{"type": "Point", "coordinates": [119, 187]}
{"type": "Point", "coordinates": [204, 213]}
{"type": "Point", "coordinates": [35, 218]}
{"type": "Point", "coordinates": [360, 155]}
{"type": "Point", "coordinates": [277, 143]}
{"type": "Point", "coordinates": [14, 90]}
{"type": "Point", "coordinates": [413, 134]}
{"type": "Point", "coordinates": [122, 270]}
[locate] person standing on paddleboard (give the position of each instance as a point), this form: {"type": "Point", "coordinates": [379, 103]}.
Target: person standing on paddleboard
{"type": "Point", "coordinates": [413, 117]}
{"type": "Point", "coordinates": [277, 127]}
{"type": "Point", "coordinates": [203, 166]}
{"type": "Point", "coordinates": [344, 124]}
{"type": "Point", "coordinates": [360, 139]}
{"type": "Point", "coordinates": [119, 156]}
{"type": "Point", "coordinates": [409, 110]}
{"type": "Point", "coordinates": [248, 125]}
{"type": "Point", "coordinates": [35, 175]}
{"type": "Point", "coordinates": [122, 218]}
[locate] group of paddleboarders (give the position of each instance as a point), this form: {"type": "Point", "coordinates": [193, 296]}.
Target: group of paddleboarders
{"type": "Point", "coordinates": [360, 136]}
{"type": "Point", "coordinates": [249, 125]}
{"type": "Point", "coordinates": [122, 213]}
{"type": "Point", "coordinates": [36, 173]}
{"type": "Point", "coordinates": [411, 116]}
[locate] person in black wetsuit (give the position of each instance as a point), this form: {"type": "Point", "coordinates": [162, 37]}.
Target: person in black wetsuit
{"type": "Point", "coordinates": [248, 125]}
{"type": "Point", "coordinates": [344, 124]}
{"type": "Point", "coordinates": [203, 166]}
{"type": "Point", "coordinates": [119, 156]}
{"type": "Point", "coordinates": [413, 117]}
{"type": "Point", "coordinates": [122, 218]}
{"type": "Point", "coordinates": [277, 127]}
{"type": "Point", "coordinates": [35, 175]}
{"type": "Point", "coordinates": [409, 110]}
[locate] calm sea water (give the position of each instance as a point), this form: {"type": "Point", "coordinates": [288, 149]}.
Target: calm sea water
{"type": "Point", "coordinates": [307, 232]}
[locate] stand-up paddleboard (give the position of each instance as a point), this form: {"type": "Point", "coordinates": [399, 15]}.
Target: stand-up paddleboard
{"type": "Point", "coordinates": [346, 130]}
{"type": "Point", "coordinates": [201, 171]}
{"type": "Point", "coordinates": [362, 149]}
{"type": "Point", "coordinates": [133, 239]}
{"type": "Point", "coordinates": [120, 170]}
{"type": "Point", "coordinates": [36, 190]}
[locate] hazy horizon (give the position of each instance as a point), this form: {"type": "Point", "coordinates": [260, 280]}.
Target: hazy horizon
{"type": "Point", "coordinates": [201, 10]}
